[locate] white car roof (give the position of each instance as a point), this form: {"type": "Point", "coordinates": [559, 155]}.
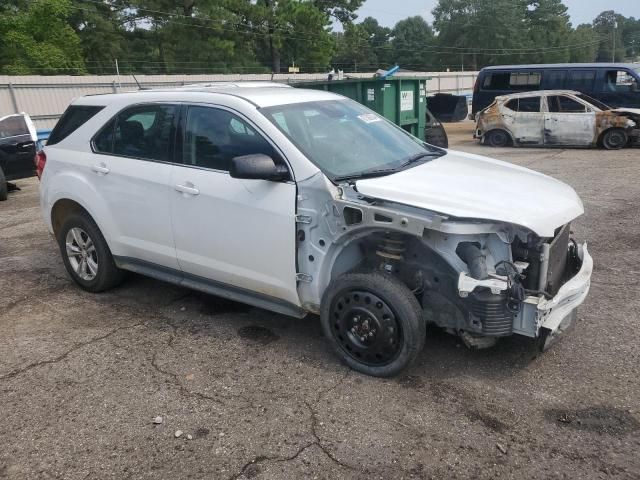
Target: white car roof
{"type": "Point", "coordinates": [537, 93]}
{"type": "Point", "coordinates": [260, 96]}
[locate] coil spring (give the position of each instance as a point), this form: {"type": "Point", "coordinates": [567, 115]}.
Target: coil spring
{"type": "Point", "coordinates": [392, 247]}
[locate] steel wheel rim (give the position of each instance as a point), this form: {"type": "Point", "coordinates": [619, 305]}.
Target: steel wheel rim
{"type": "Point", "coordinates": [615, 140]}
{"type": "Point", "coordinates": [498, 139]}
{"type": "Point", "coordinates": [366, 328]}
{"type": "Point", "coordinates": [82, 254]}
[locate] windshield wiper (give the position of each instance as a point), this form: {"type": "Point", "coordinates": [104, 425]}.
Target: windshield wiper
{"type": "Point", "coordinates": [377, 172]}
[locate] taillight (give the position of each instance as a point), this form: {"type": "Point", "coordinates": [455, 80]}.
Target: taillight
{"type": "Point", "coordinates": [40, 161]}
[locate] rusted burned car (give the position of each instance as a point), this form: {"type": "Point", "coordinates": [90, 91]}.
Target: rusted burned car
{"type": "Point", "coordinates": [556, 118]}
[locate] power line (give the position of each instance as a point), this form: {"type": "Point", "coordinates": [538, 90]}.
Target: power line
{"type": "Point", "coordinates": [381, 44]}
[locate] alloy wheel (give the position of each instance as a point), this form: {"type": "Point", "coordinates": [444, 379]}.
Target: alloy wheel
{"type": "Point", "coordinates": [82, 254]}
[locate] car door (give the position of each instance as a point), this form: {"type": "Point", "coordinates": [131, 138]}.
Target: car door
{"type": "Point", "coordinates": [568, 122]}
{"type": "Point", "coordinates": [231, 232]}
{"type": "Point", "coordinates": [131, 171]}
{"type": "Point", "coordinates": [527, 124]}
{"type": "Point", "coordinates": [17, 146]}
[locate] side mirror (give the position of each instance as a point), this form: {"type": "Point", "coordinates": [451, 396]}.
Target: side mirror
{"type": "Point", "coordinates": [258, 167]}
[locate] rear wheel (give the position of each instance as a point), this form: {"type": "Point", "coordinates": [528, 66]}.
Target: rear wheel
{"type": "Point", "coordinates": [498, 138]}
{"type": "Point", "coordinates": [4, 188]}
{"type": "Point", "coordinates": [374, 322]}
{"type": "Point", "coordinates": [615, 139]}
{"type": "Point", "coordinates": [86, 254]}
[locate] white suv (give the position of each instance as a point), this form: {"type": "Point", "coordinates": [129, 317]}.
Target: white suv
{"type": "Point", "coordinates": [302, 201]}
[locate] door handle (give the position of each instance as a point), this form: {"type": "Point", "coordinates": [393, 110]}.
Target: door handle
{"type": "Point", "coordinates": [189, 188]}
{"type": "Point", "coordinates": [101, 168]}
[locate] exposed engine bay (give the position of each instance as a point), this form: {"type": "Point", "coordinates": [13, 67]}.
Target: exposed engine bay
{"type": "Point", "coordinates": [476, 279]}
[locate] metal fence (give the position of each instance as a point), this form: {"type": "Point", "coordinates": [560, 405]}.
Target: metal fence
{"type": "Point", "coordinates": [44, 98]}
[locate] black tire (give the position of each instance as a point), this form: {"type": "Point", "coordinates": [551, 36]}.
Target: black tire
{"type": "Point", "coordinates": [374, 323]}
{"type": "Point", "coordinates": [614, 139]}
{"type": "Point", "coordinates": [498, 138]}
{"type": "Point", "coordinates": [108, 275]}
{"type": "Point", "coordinates": [4, 188]}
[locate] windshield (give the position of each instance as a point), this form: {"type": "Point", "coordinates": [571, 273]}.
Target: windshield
{"type": "Point", "coordinates": [346, 140]}
{"type": "Point", "coordinates": [594, 102]}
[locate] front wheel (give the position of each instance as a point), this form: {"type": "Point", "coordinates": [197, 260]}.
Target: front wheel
{"type": "Point", "coordinates": [374, 323]}
{"type": "Point", "coordinates": [615, 139]}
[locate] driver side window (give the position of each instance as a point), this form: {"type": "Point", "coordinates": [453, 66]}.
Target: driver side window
{"type": "Point", "coordinates": [213, 137]}
{"type": "Point", "coordinates": [619, 81]}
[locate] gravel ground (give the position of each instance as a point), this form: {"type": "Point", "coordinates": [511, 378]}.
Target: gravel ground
{"type": "Point", "coordinates": [259, 395]}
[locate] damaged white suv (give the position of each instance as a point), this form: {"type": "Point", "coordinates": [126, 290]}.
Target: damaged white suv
{"type": "Point", "coordinates": [302, 201]}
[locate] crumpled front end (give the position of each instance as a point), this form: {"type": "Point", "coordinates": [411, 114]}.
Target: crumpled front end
{"type": "Point", "coordinates": [535, 294]}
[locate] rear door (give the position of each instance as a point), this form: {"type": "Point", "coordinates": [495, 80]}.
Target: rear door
{"type": "Point", "coordinates": [131, 169]}
{"type": "Point", "coordinates": [528, 121]}
{"type": "Point", "coordinates": [17, 146]}
{"type": "Point", "coordinates": [231, 232]}
{"type": "Point", "coordinates": [568, 122]}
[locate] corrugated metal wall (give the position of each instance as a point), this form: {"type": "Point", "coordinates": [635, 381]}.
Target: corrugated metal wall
{"type": "Point", "coordinates": [44, 98]}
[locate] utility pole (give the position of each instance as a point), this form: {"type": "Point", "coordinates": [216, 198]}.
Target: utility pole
{"type": "Point", "coordinates": [118, 73]}
{"type": "Point", "coordinates": [615, 27]}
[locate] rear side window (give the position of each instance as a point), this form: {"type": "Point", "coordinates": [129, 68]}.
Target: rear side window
{"type": "Point", "coordinates": [145, 132]}
{"type": "Point", "coordinates": [581, 80]}
{"type": "Point", "coordinates": [511, 81]}
{"type": "Point", "coordinates": [554, 79]}
{"type": "Point", "coordinates": [73, 118]}
{"type": "Point", "coordinates": [529, 104]}
{"type": "Point", "coordinates": [525, 104]}
{"type": "Point", "coordinates": [13, 126]}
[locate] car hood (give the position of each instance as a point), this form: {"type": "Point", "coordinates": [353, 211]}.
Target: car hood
{"type": "Point", "coordinates": [634, 111]}
{"type": "Point", "coordinates": [471, 186]}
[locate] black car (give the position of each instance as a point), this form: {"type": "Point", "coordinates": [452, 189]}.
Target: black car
{"type": "Point", "coordinates": [17, 150]}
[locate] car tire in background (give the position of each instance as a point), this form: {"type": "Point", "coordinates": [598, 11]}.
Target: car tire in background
{"type": "Point", "coordinates": [497, 138]}
{"type": "Point", "coordinates": [374, 322]}
{"type": "Point", "coordinates": [4, 188]}
{"type": "Point", "coordinates": [614, 139]}
{"type": "Point", "coordinates": [86, 254]}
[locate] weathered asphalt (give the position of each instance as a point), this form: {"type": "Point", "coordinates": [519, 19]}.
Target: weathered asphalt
{"type": "Point", "coordinates": [83, 376]}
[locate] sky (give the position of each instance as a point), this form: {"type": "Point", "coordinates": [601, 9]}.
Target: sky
{"type": "Point", "coordinates": [582, 11]}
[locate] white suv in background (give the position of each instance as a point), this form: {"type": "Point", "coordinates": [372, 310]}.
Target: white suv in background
{"type": "Point", "coordinates": [302, 201]}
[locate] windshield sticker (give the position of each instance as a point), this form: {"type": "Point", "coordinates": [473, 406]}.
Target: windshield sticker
{"type": "Point", "coordinates": [369, 118]}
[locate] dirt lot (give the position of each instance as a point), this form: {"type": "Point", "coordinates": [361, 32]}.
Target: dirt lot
{"type": "Point", "coordinates": [83, 376]}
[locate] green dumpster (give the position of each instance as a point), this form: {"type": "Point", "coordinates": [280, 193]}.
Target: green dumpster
{"type": "Point", "coordinates": [401, 100]}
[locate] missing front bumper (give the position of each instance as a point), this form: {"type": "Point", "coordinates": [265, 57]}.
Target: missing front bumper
{"type": "Point", "coordinates": [539, 316]}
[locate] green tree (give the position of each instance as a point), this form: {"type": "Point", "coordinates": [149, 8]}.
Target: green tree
{"type": "Point", "coordinates": [379, 39]}
{"type": "Point", "coordinates": [631, 38]}
{"type": "Point", "coordinates": [547, 22]}
{"type": "Point", "coordinates": [353, 49]}
{"type": "Point", "coordinates": [605, 27]}
{"type": "Point", "coordinates": [585, 36]}
{"type": "Point", "coordinates": [481, 32]}
{"type": "Point", "coordinates": [413, 43]}
{"type": "Point", "coordinates": [37, 38]}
